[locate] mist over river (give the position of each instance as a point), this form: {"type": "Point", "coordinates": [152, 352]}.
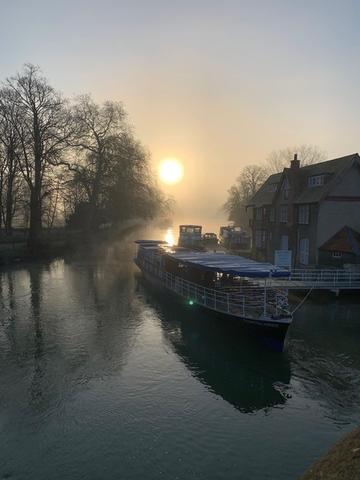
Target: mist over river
{"type": "Point", "coordinates": [100, 378]}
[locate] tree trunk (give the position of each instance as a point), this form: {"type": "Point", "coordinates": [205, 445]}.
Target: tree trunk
{"type": "Point", "coordinates": [36, 188]}
{"type": "Point", "coordinates": [35, 220]}
{"type": "Point", "coordinates": [94, 199]}
{"type": "Point", "coordinates": [9, 192]}
{"type": "Point", "coordinates": [35, 196]}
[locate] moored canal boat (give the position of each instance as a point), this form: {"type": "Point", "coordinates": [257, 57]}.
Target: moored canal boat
{"type": "Point", "coordinates": [190, 236]}
{"type": "Point", "coordinates": [232, 286]}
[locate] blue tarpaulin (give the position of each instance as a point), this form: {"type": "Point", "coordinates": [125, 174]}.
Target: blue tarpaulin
{"type": "Point", "coordinates": [230, 264]}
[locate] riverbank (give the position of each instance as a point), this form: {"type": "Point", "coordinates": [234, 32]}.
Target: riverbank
{"type": "Point", "coordinates": [61, 242]}
{"type": "Point", "coordinates": [342, 462]}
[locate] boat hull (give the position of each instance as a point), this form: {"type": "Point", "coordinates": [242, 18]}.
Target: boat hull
{"type": "Point", "coordinates": [270, 333]}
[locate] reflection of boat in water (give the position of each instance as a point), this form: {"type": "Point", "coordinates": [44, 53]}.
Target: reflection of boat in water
{"type": "Point", "coordinates": [234, 287]}
{"type": "Point", "coordinates": [232, 366]}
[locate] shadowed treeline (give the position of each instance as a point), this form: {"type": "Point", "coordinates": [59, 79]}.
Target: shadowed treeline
{"type": "Point", "coordinates": [74, 162]}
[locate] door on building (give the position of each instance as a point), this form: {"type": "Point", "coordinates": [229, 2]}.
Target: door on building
{"type": "Point", "coordinates": [304, 251]}
{"type": "Point", "coordinates": [284, 242]}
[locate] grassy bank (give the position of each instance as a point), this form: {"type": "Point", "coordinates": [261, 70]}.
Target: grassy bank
{"type": "Point", "coordinates": [342, 462]}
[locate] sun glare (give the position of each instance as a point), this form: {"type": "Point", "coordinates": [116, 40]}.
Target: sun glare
{"type": "Point", "coordinates": [169, 237]}
{"type": "Point", "coordinates": [171, 171]}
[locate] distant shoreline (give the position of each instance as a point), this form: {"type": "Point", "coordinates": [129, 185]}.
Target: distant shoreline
{"type": "Point", "coordinates": [17, 252]}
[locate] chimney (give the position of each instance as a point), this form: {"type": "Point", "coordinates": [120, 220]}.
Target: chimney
{"type": "Point", "coordinates": [295, 164]}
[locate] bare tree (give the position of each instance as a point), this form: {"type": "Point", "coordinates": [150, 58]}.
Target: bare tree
{"type": "Point", "coordinates": [307, 154]}
{"type": "Point", "coordinates": [247, 184]}
{"type": "Point", "coordinates": [9, 146]}
{"type": "Point", "coordinates": [98, 128]}
{"type": "Point", "coordinates": [43, 128]}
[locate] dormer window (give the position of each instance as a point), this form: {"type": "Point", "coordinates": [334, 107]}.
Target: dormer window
{"type": "Point", "coordinates": [316, 180]}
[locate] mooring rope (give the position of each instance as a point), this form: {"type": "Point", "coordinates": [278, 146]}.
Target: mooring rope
{"type": "Point", "coordinates": [303, 300]}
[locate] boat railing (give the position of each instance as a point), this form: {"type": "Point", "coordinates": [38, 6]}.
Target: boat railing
{"type": "Point", "coordinates": [249, 301]}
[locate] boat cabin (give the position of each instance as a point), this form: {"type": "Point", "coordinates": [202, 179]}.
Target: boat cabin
{"type": "Point", "coordinates": [210, 239]}
{"type": "Point", "coordinates": [234, 238]}
{"type": "Point", "coordinates": [190, 236]}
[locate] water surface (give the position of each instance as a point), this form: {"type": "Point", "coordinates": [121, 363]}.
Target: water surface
{"type": "Point", "coordinates": [102, 379]}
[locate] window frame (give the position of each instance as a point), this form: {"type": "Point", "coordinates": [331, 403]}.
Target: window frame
{"type": "Point", "coordinates": [304, 214]}
{"type": "Point", "coordinates": [316, 180]}
{"type": "Point", "coordinates": [284, 218]}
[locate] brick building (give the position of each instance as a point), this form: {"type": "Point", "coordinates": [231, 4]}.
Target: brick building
{"type": "Point", "coordinates": [312, 212]}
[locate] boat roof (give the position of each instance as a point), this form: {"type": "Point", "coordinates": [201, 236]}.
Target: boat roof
{"type": "Point", "coordinates": [218, 261]}
{"type": "Point", "coordinates": [189, 225]}
{"type": "Point", "coordinates": [230, 264]}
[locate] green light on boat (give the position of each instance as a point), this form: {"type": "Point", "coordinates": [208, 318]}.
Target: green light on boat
{"type": "Point", "coordinates": [191, 302]}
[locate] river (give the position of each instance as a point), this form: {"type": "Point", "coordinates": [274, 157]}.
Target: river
{"type": "Point", "coordinates": [102, 379]}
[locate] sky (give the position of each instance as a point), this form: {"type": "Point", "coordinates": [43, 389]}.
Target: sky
{"type": "Point", "coordinates": [216, 84]}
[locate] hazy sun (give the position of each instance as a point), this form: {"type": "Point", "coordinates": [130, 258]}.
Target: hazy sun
{"type": "Point", "coordinates": [171, 171]}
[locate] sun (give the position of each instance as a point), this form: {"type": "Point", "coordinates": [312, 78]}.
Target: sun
{"type": "Point", "coordinates": [171, 171]}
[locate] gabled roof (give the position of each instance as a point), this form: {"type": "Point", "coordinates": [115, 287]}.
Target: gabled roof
{"type": "Point", "coordinates": [345, 240]}
{"type": "Point", "coordinates": [331, 168]}
{"type": "Point", "coordinates": [265, 195]}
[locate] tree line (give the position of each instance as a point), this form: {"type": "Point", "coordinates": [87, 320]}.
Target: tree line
{"type": "Point", "coordinates": [71, 159]}
{"type": "Point", "coordinates": [253, 176]}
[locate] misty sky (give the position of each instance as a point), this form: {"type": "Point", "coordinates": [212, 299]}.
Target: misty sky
{"type": "Point", "coordinates": [217, 84]}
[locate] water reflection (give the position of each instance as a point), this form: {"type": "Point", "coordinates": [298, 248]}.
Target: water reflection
{"type": "Point", "coordinates": [170, 237]}
{"type": "Point", "coordinates": [233, 366]}
{"type": "Point", "coordinates": [325, 354]}
{"type": "Point", "coordinates": [62, 325]}
{"type": "Point", "coordinates": [37, 389]}
{"type": "Point", "coordinates": [322, 361]}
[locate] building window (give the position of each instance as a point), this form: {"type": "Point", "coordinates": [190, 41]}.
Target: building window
{"type": "Point", "coordinates": [258, 214]}
{"type": "Point", "coordinates": [272, 214]}
{"type": "Point", "coordinates": [304, 251]}
{"type": "Point", "coordinates": [260, 238]}
{"type": "Point", "coordinates": [336, 254]}
{"type": "Point", "coordinates": [316, 180]}
{"type": "Point", "coordinates": [283, 214]}
{"type": "Point", "coordinates": [303, 214]}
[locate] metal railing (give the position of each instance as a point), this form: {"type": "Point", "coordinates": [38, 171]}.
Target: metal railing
{"type": "Point", "coordinates": [250, 301]}
{"type": "Point", "coordinates": [330, 279]}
